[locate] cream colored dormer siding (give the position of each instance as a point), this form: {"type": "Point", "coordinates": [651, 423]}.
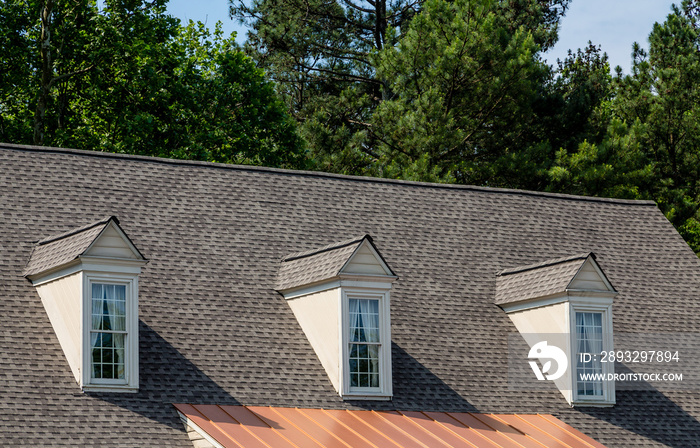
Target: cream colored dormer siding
{"type": "Point", "coordinates": [366, 261]}
{"type": "Point", "coordinates": [318, 314]}
{"type": "Point", "coordinates": [62, 300]}
{"type": "Point", "coordinates": [589, 278]}
{"type": "Point", "coordinates": [549, 319]}
{"type": "Point", "coordinates": [544, 321]}
{"type": "Point", "coordinates": [110, 244]}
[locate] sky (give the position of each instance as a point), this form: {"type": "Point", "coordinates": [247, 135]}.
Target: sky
{"type": "Point", "coordinates": [612, 24]}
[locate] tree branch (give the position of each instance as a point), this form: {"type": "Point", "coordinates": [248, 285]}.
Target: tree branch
{"type": "Point", "coordinates": [341, 76]}
{"type": "Point", "coordinates": [65, 76]}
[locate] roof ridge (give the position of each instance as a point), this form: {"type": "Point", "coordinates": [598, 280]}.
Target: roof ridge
{"type": "Point", "coordinates": [545, 264]}
{"type": "Point", "coordinates": [289, 172]}
{"type": "Point", "coordinates": [332, 246]}
{"type": "Point", "coordinates": [53, 238]}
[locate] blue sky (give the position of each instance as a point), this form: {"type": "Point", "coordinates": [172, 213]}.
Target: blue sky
{"type": "Point", "coordinates": [613, 24]}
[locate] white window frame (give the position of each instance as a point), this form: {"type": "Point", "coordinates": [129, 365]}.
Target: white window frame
{"type": "Point", "coordinates": [608, 368]}
{"type": "Point", "coordinates": [384, 391]}
{"type": "Point", "coordinates": [130, 381]}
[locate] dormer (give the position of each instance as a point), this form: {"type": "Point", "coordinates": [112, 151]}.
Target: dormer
{"type": "Point", "coordinates": [565, 302]}
{"type": "Point", "coordinates": [340, 295]}
{"type": "Point", "coordinates": [87, 279]}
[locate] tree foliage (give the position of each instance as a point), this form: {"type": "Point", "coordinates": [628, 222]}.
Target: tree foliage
{"type": "Point", "coordinates": [457, 75]}
{"type": "Point", "coordinates": [323, 54]}
{"type": "Point", "coordinates": [652, 148]}
{"type": "Point", "coordinates": [129, 78]}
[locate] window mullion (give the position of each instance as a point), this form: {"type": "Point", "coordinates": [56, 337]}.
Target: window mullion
{"type": "Point", "coordinates": [364, 360]}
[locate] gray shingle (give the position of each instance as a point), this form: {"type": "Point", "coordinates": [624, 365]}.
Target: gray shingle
{"type": "Point", "coordinates": [214, 330]}
{"type": "Point", "coordinates": [537, 280]}
{"type": "Point", "coordinates": [57, 250]}
{"type": "Point", "coordinates": [313, 266]}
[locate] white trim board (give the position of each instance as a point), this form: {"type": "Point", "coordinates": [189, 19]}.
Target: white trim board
{"type": "Point", "coordinates": [573, 296]}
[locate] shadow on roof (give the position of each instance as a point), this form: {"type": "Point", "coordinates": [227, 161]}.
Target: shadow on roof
{"type": "Point", "coordinates": [417, 388]}
{"type": "Point", "coordinates": [658, 418]}
{"type": "Point", "coordinates": [186, 383]}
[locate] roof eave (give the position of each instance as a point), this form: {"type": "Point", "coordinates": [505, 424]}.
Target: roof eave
{"type": "Point", "coordinates": [369, 280]}
{"type": "Point", "coordinates": [569, 295]}
{"type": "Point", "coordinates": [38, 277]}
{"type": "Point", "coordinates": [85, 263]}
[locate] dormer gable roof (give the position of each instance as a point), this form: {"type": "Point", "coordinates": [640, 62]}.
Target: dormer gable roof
{"type": "Point", "coordinates": [575, 273]}
{"type": "Point", "coordinates": [329, 262]}
{"type": "Point", "coordinates": [59, 250]}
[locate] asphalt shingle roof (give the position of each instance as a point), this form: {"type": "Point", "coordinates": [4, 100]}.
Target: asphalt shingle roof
{"type": "Point", "coordinates": [312, 266]}
{"type": "Point", "coordinates": [213, 330]}
{"type": "Point", "coordinates": [60, 249]}
{"type": "Point", "coordinates": [537, 280]}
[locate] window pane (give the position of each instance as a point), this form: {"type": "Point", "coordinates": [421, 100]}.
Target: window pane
{"type": "Point", "coordinates": [364, 365]}
{"type": "Point", "coordinates": [119, 323]}
{"type": "Point", "coordinates": [119, 292]}
{"type": "Point", "coordinates": [94, 342]}
{"type": "Point", "coordinates": [589, 339]}
{"type": "Point", "coordinates": [364, 320]}
{"type": "Point", "coordinates": [364, 380]}
{"type": "Point", "coordinates": [108, 307]}
{"type": "Point", "coordinates": [96, 314]}
{"type": "Point", "coordinates": [108, 355]}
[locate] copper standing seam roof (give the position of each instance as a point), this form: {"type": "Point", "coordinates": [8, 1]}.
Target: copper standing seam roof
{"type": "Point", "coordinates": [268, 427]}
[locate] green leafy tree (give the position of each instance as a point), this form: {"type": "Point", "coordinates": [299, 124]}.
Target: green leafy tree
{"type": "Point", "coordinates": [582, 86]}
{"type": "Point", "coordinates": [15, 71]}
{"type": "Point", "coordinates": [192, 96]}
{"type": "Point", "coordinates": [617, 167]}
{"type": "Point", "coordinates": [321, 53]}
{"type": "Point", "coordinates": [42, 50]}
{"type": "Point", "coordinates": [663, 94]}
{"type": "Point", "coordinates": [458, 74]}
{"type": "Point", "coordinates": [128, 78]}
{"type": "Point", "coordinates": [570, 106]}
